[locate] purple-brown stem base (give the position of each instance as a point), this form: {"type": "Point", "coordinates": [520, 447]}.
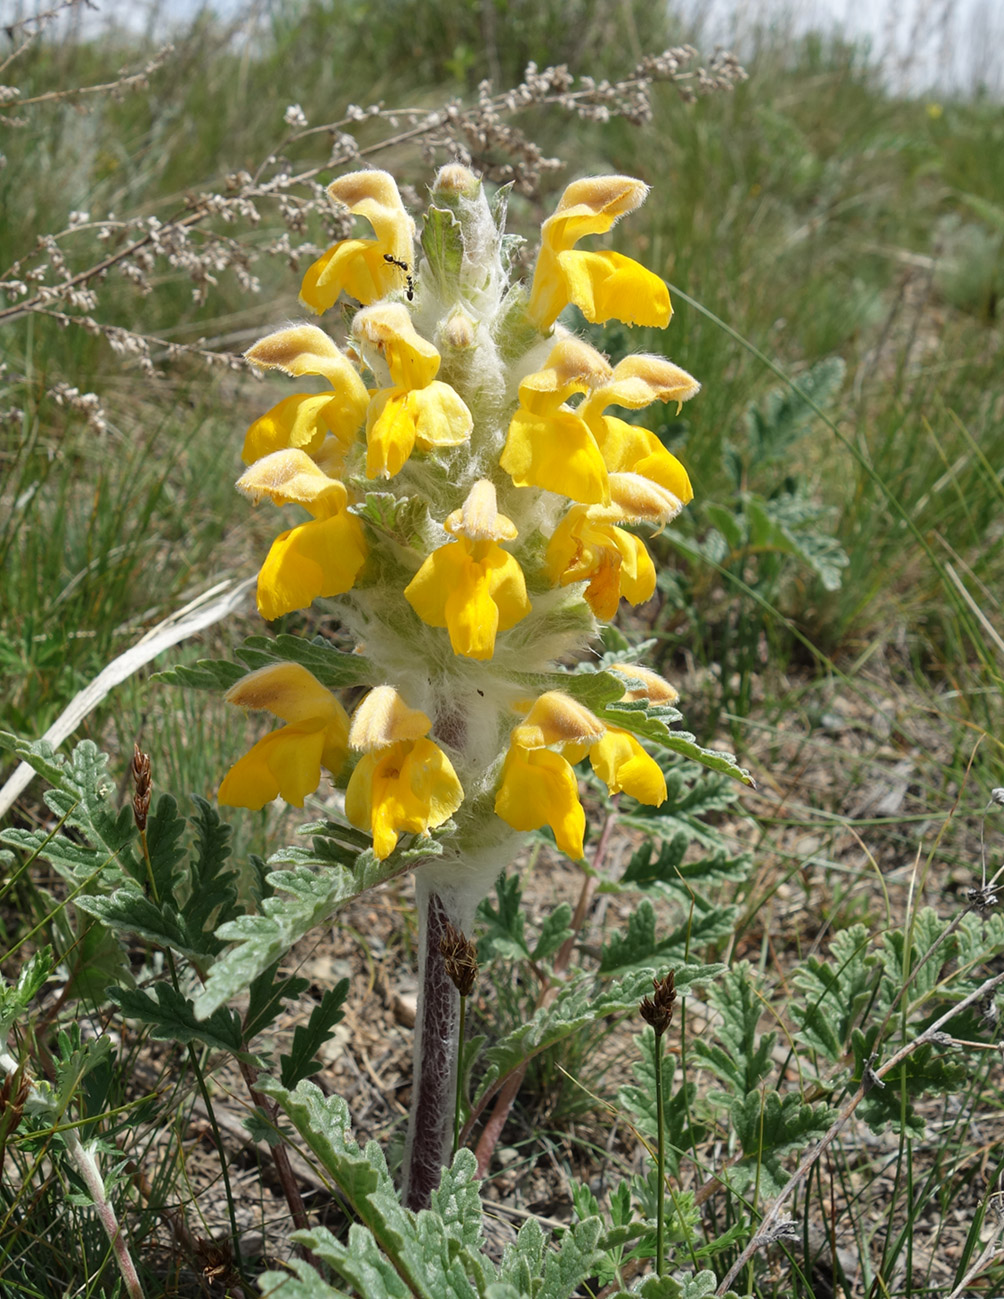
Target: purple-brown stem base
{"type": "Point", "coordinates": [430, 1132]}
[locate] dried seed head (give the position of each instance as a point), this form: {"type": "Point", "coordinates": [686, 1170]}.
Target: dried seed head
{"type": "Point", "coordinates": [139, 769]}
{"type": "Point", "coordinates": [657, 1010]}
{"type": "Point", "coordinates": [461, 959]}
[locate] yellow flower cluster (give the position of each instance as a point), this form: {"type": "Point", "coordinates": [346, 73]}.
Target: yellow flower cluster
{"type": "Point", "coordinates": [469, 499]}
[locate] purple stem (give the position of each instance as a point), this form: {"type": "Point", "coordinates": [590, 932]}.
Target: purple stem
{"type": "Point", "coordinates": [437, 1026]}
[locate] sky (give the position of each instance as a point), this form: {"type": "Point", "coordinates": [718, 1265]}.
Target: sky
{"type": "Point", "coordinates": [922, 45]}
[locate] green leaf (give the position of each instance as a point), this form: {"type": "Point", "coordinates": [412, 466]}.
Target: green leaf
{"type": "Point", "coordinates": [768, 1126]}
{"type": "Point", "coordinates": [15, 1000]}
{"type": "Point", "coordinates": [302, 899]}
{"type": "Point", "coordinates": [212, 890]}
{"type": "Point", "coordinates": [577, 1005]}
{"type": "Point", "coordinates": [310, 1037]}
{"type": "Point", "coordinates": [172, 1019]}
{"type": "Point", "coordinates": [504, 927]}
{"type": "Point", "coordinates": [927, 1070]}
{"type": "Point", "coordinates": [74, 1059]}
{"type": "Point", "coordinates": [672, 871]}
{"type": "Point", "coordinates": [390, 1250]}
{"type": "Point", "coordinates": [332, 667]}
{"type": "Point", "coordinates": [736, 1058]}
{"type": "Point", "coordinates": [639, 946]}
{"type": "Point", "coordinates": [443, 245]}
{"type": "Point", "coordinates": [553, 932]}
{"type": "Point", "coordinates": [693, 796]}
{"type": "Point", "coordinates": [83, 799]}
{"type": "Point", "coordinates": [835, 993]}
{"type": "Point", "coordinates": [217, 675]}
{"type": "Point", "coordinates": [266, 997]}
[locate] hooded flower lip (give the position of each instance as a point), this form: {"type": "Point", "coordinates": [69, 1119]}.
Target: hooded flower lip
{"type": "Point", "coordinates": [651, 687]}
{"type": "Point", "coordinates": [538, 786]}
{"type": "Point", "coordinates": [419, 409]}
{"type": "Point", "coordinates": [601, 284]}
{"type": "Point", "coordinates": [287, 763]}
{"type": "Point", "coordinates": [317, 559]}
{"type": "Point", "coordinates": [365, 269]}
{"type": "Point", "coordinates": [472, 586]}
{"type": "Point", "coordinates": [403, 783]}
{"type": "Point", "coordinates": [305, 420]}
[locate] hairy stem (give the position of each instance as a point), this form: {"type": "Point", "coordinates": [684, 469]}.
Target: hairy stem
{"type": "Point", "coordinates": [437, 1029]}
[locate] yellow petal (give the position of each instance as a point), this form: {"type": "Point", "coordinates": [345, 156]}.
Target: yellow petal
{"type": "Point", "coordinates": [390, 433]}
{"type": "Point", "coordinates": [479, 519]}
{"type": "Point", "coordinates": [305, 349]}
{"type": "Point", "coordinates": [587, 207]}
{"type": "Point", "coordinates": [556, 452]}
{"type": "Point", "coordinates": [318, 559]}
{"type": "Point", "coordinates": [654, 688]}
{"type": "Point", "coordinates": [373, 194]}
{"type": "Point", "coordinates": [627, 448]}
{"type": "Point", "coordinates": [622, 764]}
{"type": "Point", "coordinates": [366, 269]}
{"type": "Point", "coordinates": [474, 598]}
{"type": "Point", "coordinates": [609, 285]}
{"type": "Point", "coordinates": [640, 379]}
{"type": "Point", "coordinates": [441, 416]}
{"type": "Point", "coordinates": [637, 572]}
{"type": "Point", "coordinates": [573, 366]}
{"type": "Point", "coordinates": [290, 692]}
{"type": "Point", "coordinates": [410, 787]}
{"type": "Point", "coordinates": [303, 421]}
{"type": "Point", "coordinates": [286, 764]}
{"type": "Point", "coordinates": [539, 788]}
{"type": "Point", "coordinates": [291, 477]}
{"type": "Point", "coordinates": [383, 718]}
{"type": "Point", "coordinates": [557, 718]}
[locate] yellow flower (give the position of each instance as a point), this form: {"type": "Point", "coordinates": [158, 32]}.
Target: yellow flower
{"type": "Point", "coordinates": [587, 547]}
{"type": "Point", "coordinates": [638, 381]}
{"type": "Point", "coordinates": [306, 420]}
{"type": "Point", "coordinates": [418, 409]}
{"type": "Point", "coordinates": [472, 586]}
{"type": "Point", "coordinates": [366, 269]}
{"type": "Point", "coordinates": [287, 763]}
{"type": "Point", "coordinates": [320, 558]}
{"type": "Point", "coordinates": [549, 445]}
{"type": "Point", "coordinates": [403, 783]}
{"type": "Point", "coordinates": [538, 786]}
{"type": "Point", "coordinates": [602, 285]}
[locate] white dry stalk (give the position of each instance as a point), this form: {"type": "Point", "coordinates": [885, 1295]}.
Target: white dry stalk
{"type": "Point", "coordinates": [211, 607]}
{"type": "Point", "coordinates": [83, 1159]}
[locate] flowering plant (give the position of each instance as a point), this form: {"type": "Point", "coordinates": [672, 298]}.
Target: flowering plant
{"type": "Point", "coordinates": [470, 499]}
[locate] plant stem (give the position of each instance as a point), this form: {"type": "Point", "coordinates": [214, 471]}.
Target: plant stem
{"type": "Point", "coordinates": [460, 1075]}
{"type": "Point", "coordinates": [660, 1161]}
{"type": "Point", "coordinates": [437, 1030]}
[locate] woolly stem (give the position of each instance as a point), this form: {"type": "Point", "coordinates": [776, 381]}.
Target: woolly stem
{"type": "Point", "coordinates": [437, 1034]}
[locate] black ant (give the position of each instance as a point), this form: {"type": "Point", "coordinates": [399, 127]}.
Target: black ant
{"type": "Point", "coordinates": [403, 266]}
